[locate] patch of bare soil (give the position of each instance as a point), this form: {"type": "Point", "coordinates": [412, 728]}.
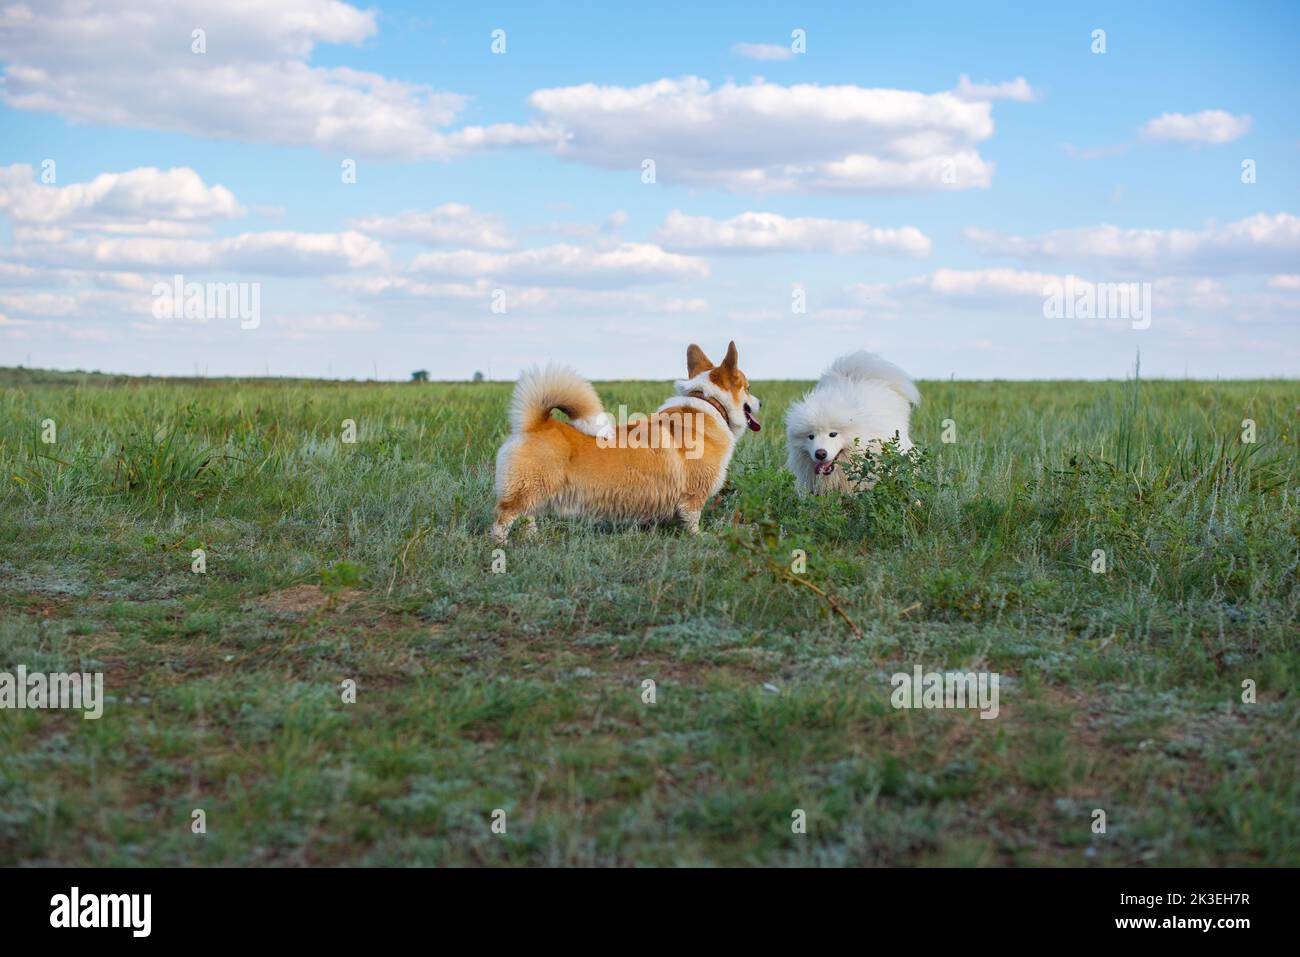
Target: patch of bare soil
{"type": "Point", "coordinates": [43, 608]}
{"type": "Point", "coordinates": [303, 599]}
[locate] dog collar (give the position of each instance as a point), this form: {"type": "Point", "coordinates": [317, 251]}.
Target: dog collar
{"type": "Point", "coordinates": [699, 394]}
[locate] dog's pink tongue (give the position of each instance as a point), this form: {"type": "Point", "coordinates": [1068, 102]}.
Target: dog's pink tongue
{"type": "Point", "coordinates": [752, 422]}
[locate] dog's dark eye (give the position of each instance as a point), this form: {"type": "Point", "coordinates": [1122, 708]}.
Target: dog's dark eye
{"type": "Point", "coordinates": [833, 434]}
{"type": "Point", "coordinates": [811, 437]}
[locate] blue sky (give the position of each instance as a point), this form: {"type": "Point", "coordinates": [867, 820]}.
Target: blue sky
{"type": "Point", "coordinates": [921, 175]}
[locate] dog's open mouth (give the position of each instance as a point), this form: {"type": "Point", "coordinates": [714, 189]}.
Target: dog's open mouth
{"type": "Point", "coordinates": [750, 420]}
{"type": "Point", "coordinates": [825, 468]}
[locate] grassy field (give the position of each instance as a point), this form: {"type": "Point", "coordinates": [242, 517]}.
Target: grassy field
{"type": "Point", "coordinates": [521, 689]}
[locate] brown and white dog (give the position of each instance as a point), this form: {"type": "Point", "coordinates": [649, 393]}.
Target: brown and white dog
{"type": "Point", "coordinates": [655, 469]}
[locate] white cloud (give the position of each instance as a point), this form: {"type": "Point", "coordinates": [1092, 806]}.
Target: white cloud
{"type": "Point", "coordinates": [15, 328]}
{"type": "Point", "coordinates": [451, 224]}
{"type": "Point", "coordinates": [1021, 293]}
{"type": "Point", "coordinates": [564, 264]}
{"type": "Point", "coordinates": [1257, 244]}
{"type": "Point", "coordinates": [945, 288]}
{"type": "Point", "coordinates": [762, 51]}
{"type": "Point", "coordinates": [1191, 293]}
{"type": "Point", "coordinates": [95, 62]}
{"type": "Point", "coordinates": [559, 301]}
{"type": "Point", "coordinates": [769, 232]}
{"type": "Point", "coordinates": [1207, 126]}
{"type": "Point", "coordinates": [605, 302]}
{"type": "Point", "coordinates": [153, 220]}
{"type": "Point", "coordinates": [270, 253]}
{"type": "Point", "coordinates": [764, 137]}
{"type": "Point", "coordinates": [16, 274]}
{"type": "Point", "coordinates": [388, 286]}
{"type": "Point", "coordinates": [301, 327]}
{"type": "Point", "coordinates": [1017, 89]}
{"type": "Point", "coordinates": [89, 62]}
{"type": "Point", "coordinates": [987, 283]}
{"type": "Point", "coordinates": [878, 294]}
{"type": "Point", "coordinates": [140, 200]}
{"type": "Point", "coordinates": [38, 304]}
{"type": "Point", "coordinates": [126, 281]}
{"type": "Point", "coordinates": [612, 223]}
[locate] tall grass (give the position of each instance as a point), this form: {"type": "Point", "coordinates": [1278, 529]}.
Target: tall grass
{"type": "Point", "coordinates": [524, 686]}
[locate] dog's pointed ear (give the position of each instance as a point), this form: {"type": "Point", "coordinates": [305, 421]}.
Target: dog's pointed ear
{"type": "Point", "coordinates": [696, 361]}
{"type": "Point", "coordinates": [729, 361]}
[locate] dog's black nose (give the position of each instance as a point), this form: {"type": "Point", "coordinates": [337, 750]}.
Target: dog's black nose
{"type": "Point", "coordinates": [820, 454]}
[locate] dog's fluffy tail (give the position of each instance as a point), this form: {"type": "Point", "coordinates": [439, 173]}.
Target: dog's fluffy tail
{"type": "Point", "coordinates": [557, 387]}
{"type": "Point", "coordinates": [864, 366]}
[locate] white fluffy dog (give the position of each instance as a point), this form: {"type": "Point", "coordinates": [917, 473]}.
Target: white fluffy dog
{"type": "Point", "coordinates": [859, 402]}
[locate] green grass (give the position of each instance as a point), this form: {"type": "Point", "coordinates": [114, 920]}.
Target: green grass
{"type": "Point", "coordinates": [523, 690]}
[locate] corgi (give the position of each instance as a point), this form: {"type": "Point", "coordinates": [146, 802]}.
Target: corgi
{"type": "Point", "coordinates": [661, 468]}
{"type": "Point", "coordinates": [860, 402]}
